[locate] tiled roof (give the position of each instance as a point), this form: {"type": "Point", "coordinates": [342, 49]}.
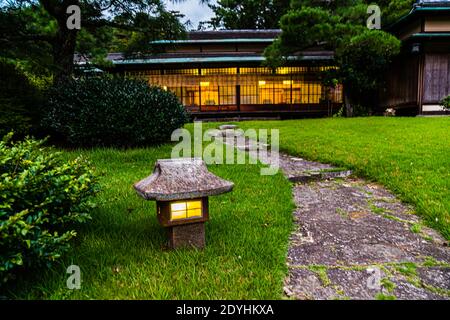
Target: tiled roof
{"type": "Point", "coordinates": [211, 41]}
{"type": "Point", "coordinates": [432, 3]}
{"type": "Point", "coordinates": [234, 34]}
{"type": "Point", "coordinates": [212, 58]}
{"type": "Point", "coordinates": [422, 7]}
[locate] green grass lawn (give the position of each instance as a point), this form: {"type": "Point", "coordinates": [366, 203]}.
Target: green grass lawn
{"type": "Point", "coordinates": [121, 251]}
{"type": "Point", "coordinates": [410, 156]}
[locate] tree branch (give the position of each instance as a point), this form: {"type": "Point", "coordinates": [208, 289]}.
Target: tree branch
{"type": "Point", "coordinates": [29, 37]}
{"type": "Point", "coordinates": [92, 24]}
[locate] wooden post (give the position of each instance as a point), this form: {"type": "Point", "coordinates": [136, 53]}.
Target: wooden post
{"type": "Point", "coordinates": [420, 86]}
{"type": "Point", "coordinates": [348, 106]}
{"type": "Point", "coordinates": [238, 97]}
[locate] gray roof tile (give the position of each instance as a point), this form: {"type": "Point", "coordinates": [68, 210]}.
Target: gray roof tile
{"type": "Point", "coordinates": [183, 178]}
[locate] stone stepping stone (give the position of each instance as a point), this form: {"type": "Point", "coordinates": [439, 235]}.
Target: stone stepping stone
{"type": "Point", "coordinates": [228, 127]}
{"type": "Point", "coordinates": [305, 177]}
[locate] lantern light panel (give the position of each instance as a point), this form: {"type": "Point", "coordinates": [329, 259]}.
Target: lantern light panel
{"type": "Point", "coordinates": [185, 209]}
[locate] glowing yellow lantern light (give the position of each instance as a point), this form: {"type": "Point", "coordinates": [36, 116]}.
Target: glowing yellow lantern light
{"type": "Point", "coordinates": [287, 82]}
{"type": "Point", "coordinates": [204, 84]}
{"type": "Point", "coordinates": [181, 204]}
{"type": "Point", "coordinates": [261, 83]}
{"type": "Point", "coordinates": [185, 209]}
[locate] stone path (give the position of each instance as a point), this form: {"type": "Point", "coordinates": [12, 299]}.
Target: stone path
{"type": "Point", "coordinates": [353, 239]}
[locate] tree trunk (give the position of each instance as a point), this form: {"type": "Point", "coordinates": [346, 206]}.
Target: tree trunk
{"type": "Point", "coordinates": [348, 106]}
{"type": "Point", "coordinates": [63, 53]}
{"type": "Point", "coordinates": [65, 39]}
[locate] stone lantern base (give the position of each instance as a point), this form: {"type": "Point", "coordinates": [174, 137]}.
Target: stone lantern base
{"type": "Point", "coordinates": [187, 235]}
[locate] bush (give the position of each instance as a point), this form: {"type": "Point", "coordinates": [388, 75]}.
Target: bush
{"type": "Point", "coordinates": [19, 101]}
{"type": "Point", "coordinates": [41, 197]}
{"type": "Point", "coordinates": [104, 111]}
{"type": "Point", "coordinates": [363, 63]}
{"type": "Point", "coordinates": [445, 102]}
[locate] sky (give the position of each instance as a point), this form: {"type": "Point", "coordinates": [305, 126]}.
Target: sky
{"type": "Point", "coordinates": [193, 10]}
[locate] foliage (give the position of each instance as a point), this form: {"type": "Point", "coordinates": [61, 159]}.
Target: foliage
{"type": "Point", "coordinates": [363, 62]}
{"type": "Point", "coordinates": [445, 102]}
{"type": "Point", "coordinates": [36, 30]}
{"type": "Point", "coordinates": [19, 101]}
{"type": "Point", "coordinates": [317, 23]}
{"type": "Point", "coordinates": [16, 42]}
{"type": "Point", "coordinates": [42, 196]}
{"type": "Point", "coordinates": [382, 296]}
{"type": "Point", "coordinates": [105, 111]}
{"type": "Point", "coordinates": [246, 14]}
{"type": "Point", "coordinates": [394, 10]}
{"type": "Point", "coordinates": [362, 55]}
{"type": "Point", "coordinates": [356, 10]}
{"type": "Point", "coordinates": [339, 113]}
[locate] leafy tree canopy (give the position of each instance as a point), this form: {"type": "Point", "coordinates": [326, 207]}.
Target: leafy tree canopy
{"type": "Point", "coordinates": [266, 14]}
{"type": "Point", "coordinates": [362, 55]}
{"type": "Point", "coordinates": [36, 30]}
{"type": "Point", "coordinates": [247, 14]}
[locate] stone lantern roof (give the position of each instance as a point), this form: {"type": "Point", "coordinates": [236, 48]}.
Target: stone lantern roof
{"type": "Point", "coordinates": [183, 178]}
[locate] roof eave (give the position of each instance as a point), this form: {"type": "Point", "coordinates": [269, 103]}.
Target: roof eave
{"type": "Point", "coordinates": [216, 60]}
{"type": "Point", "coordinates": [183, 195]}
{"type": "Point", "coordinates": [212, 41]}
{"type": "Point", "coordinates": [415, 12]}
{"type": "Point", "coordinates": [428, 36]}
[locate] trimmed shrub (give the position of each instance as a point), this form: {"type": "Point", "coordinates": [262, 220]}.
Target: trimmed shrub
{"type": "Point", "coordinates": [445, 102]}
{"type": "Point", "coordinates": [363, 63]}
{"type": "Point", "coordinates": [105, 111]}
{"type": "Point", "coordinates": [41, 198]}
{"type": "Point", "coordinates": [19, 101]}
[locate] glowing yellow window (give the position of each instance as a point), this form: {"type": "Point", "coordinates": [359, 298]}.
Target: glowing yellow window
{"type": "Point", "coordinates": [185, 209]}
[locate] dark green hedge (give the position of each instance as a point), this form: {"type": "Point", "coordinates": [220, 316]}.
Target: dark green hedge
{"type": "Point", "coordinates": [19, 101]}
{"type": "Point", "coordinates": [112, 111]}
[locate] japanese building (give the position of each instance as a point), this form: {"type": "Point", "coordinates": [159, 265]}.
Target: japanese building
{"type": "Point", "coordinates": [220, 73]}
{"type": "Point", "coordinates": [420, 77]}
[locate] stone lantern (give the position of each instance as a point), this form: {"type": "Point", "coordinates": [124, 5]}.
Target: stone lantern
{"type": "Point", "coordinates": [181, 188]}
